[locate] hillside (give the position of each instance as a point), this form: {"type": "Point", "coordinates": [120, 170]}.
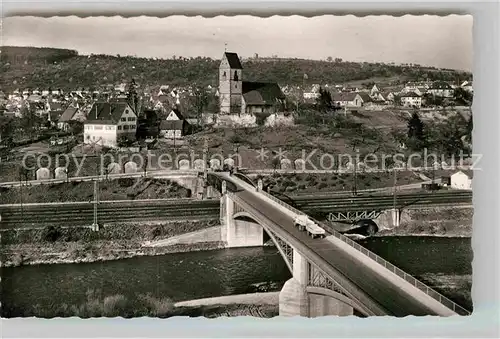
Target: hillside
{"type": "Point", "coordinates": [23, 67]}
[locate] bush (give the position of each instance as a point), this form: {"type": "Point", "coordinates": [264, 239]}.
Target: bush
{"type": "Point", "coordinates": [322, 185]}
{"type": "Point", "coordinates": [51, 233]}
{"type": "Point", "coordinates": [125, 182]}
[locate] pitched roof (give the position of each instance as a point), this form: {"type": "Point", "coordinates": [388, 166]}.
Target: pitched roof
{"type": "Point", "coordinates": [233, 60]}
{"type": "Point", "coordinates": [410, 95]}
{"type": "Point", "coordinates": [344, 96]}
{"type": "Point", "coordinates": [106, 112]}
{"type": "Point", "coordinates": [261, 93]}
{"type": "Point", "coordinates": [365, 96]}
{"type": "Point", "coordinates": [178, 113]}
{"type": "Point", "coordinates": [171, 125]}
{"type": "Point", "coordinates": [68, 114]}
{"type": "Point", "coordinates": [440, 85]}
{"type": "Point", "coordinates": [469, 173]}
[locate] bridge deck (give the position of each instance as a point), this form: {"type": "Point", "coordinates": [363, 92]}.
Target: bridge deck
{"type": "Point", "coordinates": [393, 294]}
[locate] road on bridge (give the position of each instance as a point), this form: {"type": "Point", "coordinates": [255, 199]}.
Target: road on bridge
{"type": "Point", "coordinates": [394, 299]}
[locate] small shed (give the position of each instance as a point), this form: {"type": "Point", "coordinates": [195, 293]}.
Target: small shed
{"type": "Point", "coordinates": [462, 180]}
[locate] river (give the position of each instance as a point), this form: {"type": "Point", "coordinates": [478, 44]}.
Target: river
{"type": "Point", "coordinates": [443, 263]}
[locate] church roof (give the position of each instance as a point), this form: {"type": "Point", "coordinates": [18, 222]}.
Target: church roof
{"type": "Point", "coordinates": [233, 60]}
{"type": "Point", "coordinates": [261, 93]}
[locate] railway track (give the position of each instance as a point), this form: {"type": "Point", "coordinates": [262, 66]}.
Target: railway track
{"type": "Point", "coordinates": [82, 213]}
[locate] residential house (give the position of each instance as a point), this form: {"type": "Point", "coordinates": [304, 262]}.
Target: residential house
{"type": "Point", "coordinates": [387, 96]}
{"type": "Point", "coordinates": [441, 89]}
{"type": "Point", "coordinates": [173, 129]}
{"type": "Point", "coordinates": [411, 99]}
{"type": "Point", "coordinates": [54, 112]}
{"type": "Point", "coordinates": [374, 91]}
{"type": "Point", "coordinates": [109, 122]}
{"type": "Point", "coordinates": [261, 97]}
{"type": "Point", "coordinates": [173, 126]}
{"type": "Point", "coordinates": [369, 102]}
{"type": "Point", "coordinates": [237, 96]}
{"type": "Point", "coordinates": [347, 99]}
{"type": "Point", "coordinates": [64, 120]}
{"type": "Point", "coordinates": [313, 92]}
{"type": "Point", "coordinates": [462, 180]}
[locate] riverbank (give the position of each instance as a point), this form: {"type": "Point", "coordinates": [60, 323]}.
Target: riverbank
{"type": "Point", "coordinates": [441, 221]}
{"type": "Point", "coordinates": [262, 305]}
{"type": "Point", "coordinates": [57, 245]}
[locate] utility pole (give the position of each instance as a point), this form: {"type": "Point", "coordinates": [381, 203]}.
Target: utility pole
{"type": "Point", "coordinates": [394, 189]}
{"type": "Point", "coordinates": [95, 225]}
{"type": "Point", "coordinates": [205, 169]}
{"type": "Point", "coordinates": [354, 190]}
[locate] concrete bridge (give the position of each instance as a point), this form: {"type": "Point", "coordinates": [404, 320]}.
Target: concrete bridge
{"type": "Point", "coordinates": [330, 276]}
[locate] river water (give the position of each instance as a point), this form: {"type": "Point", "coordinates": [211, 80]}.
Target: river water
{"type": "Point", "coordinates": [443, 263]}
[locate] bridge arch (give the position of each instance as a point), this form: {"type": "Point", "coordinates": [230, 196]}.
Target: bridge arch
{"type": "Point", "coordinates": [242, 219]}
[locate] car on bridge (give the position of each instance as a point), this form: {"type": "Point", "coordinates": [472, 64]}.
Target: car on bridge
{"type": "Point", "coordinates": [304, 223]}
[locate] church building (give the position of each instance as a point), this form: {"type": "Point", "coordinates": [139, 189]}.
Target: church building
{"type": "Point", "coordinates": [242, 97]}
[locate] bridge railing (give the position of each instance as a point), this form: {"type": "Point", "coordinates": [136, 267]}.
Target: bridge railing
{"type": "Point", "coordinates": [407, 277]}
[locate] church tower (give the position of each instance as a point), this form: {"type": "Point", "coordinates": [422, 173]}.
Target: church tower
{"type": "Point", "coordinates": [230, 84]}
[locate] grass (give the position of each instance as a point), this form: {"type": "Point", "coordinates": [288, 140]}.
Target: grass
{"type": "Point", "coordinates": [118, 189]}
{"type": "Point", "coordinates": [310, 183]}
{"type": "Point", "coordinates": [120, 231]}
{"type": "Point", "coordinates": [97, 305]}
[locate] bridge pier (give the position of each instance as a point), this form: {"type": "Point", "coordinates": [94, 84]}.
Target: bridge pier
{"type": "Point", "coordinates": [299, 298]}
{"type": "Point", "coordinates": [240, 231]}
{"type": "Point", "coordinates": [389, 219]}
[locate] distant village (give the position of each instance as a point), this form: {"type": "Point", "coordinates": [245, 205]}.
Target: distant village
{"type": "Point", "coordinates": [114, 114]}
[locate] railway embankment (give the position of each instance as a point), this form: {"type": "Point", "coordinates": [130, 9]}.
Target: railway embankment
{"type": "Point", "coordinates": [58, 245]}
{"type": "Point", "coordinates": [444, 221]}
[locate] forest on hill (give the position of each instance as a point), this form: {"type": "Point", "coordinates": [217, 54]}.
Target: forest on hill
{"type": "Point", "coordinates": [30, 67]}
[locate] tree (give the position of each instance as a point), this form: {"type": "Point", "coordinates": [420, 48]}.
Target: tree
{"type": "Point", "coordinates": [416, 137]}
{"type": "Point", "coordinates": [132, 97]}
{"type": "Point", "coordinates": [329, 59]}
{"type": "Point", "coordinates": [324, 102]}
{"type": "Point", "coordinates": [199, 102]}
{"type": "Point", "coordinates": [462, 97]}
{"type": "Point", "coordinates": [468, 129]}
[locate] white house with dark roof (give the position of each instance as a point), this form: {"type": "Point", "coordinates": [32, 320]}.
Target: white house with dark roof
{"type": "Point", "coordinates": [237, 96]}
{"type": "Point", "coordinates": [66, 117]}
{"type": "Point", "coordinates": [441, 89]}
{"type": "Point", "coordinates": [107, 122]}
{"type": "Point", "coordinates": [349, 99]}
{"type": "Point", "coordinates": [174, 126]}
{"type": "Point", "coordinates": [411, 99]}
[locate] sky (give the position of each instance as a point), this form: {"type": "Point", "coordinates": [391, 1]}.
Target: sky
{"type": "Point", "coordinates": [426, 40]}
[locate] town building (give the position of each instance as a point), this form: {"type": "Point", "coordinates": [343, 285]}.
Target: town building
{"type": "Point", "coordinates": [411, 99]}
{"type": "Point", "coordinates": [239, 97]}
{"type": "Point", "coordinates": [441, 89]}
{"type": "Point", "coordinates": [174, 126]}
{"type": "Point", "coordinates": [64, 121]}
{"type": "Point", "coordinates": [110, 122]}
{"type": "Point", "coordinates": [462, 180]}
{"type": "Point", "coordinates": [349, 99]}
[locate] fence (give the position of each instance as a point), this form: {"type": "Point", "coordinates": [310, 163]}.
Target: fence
{"type": "Point", "coordinates": [407, 277]}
